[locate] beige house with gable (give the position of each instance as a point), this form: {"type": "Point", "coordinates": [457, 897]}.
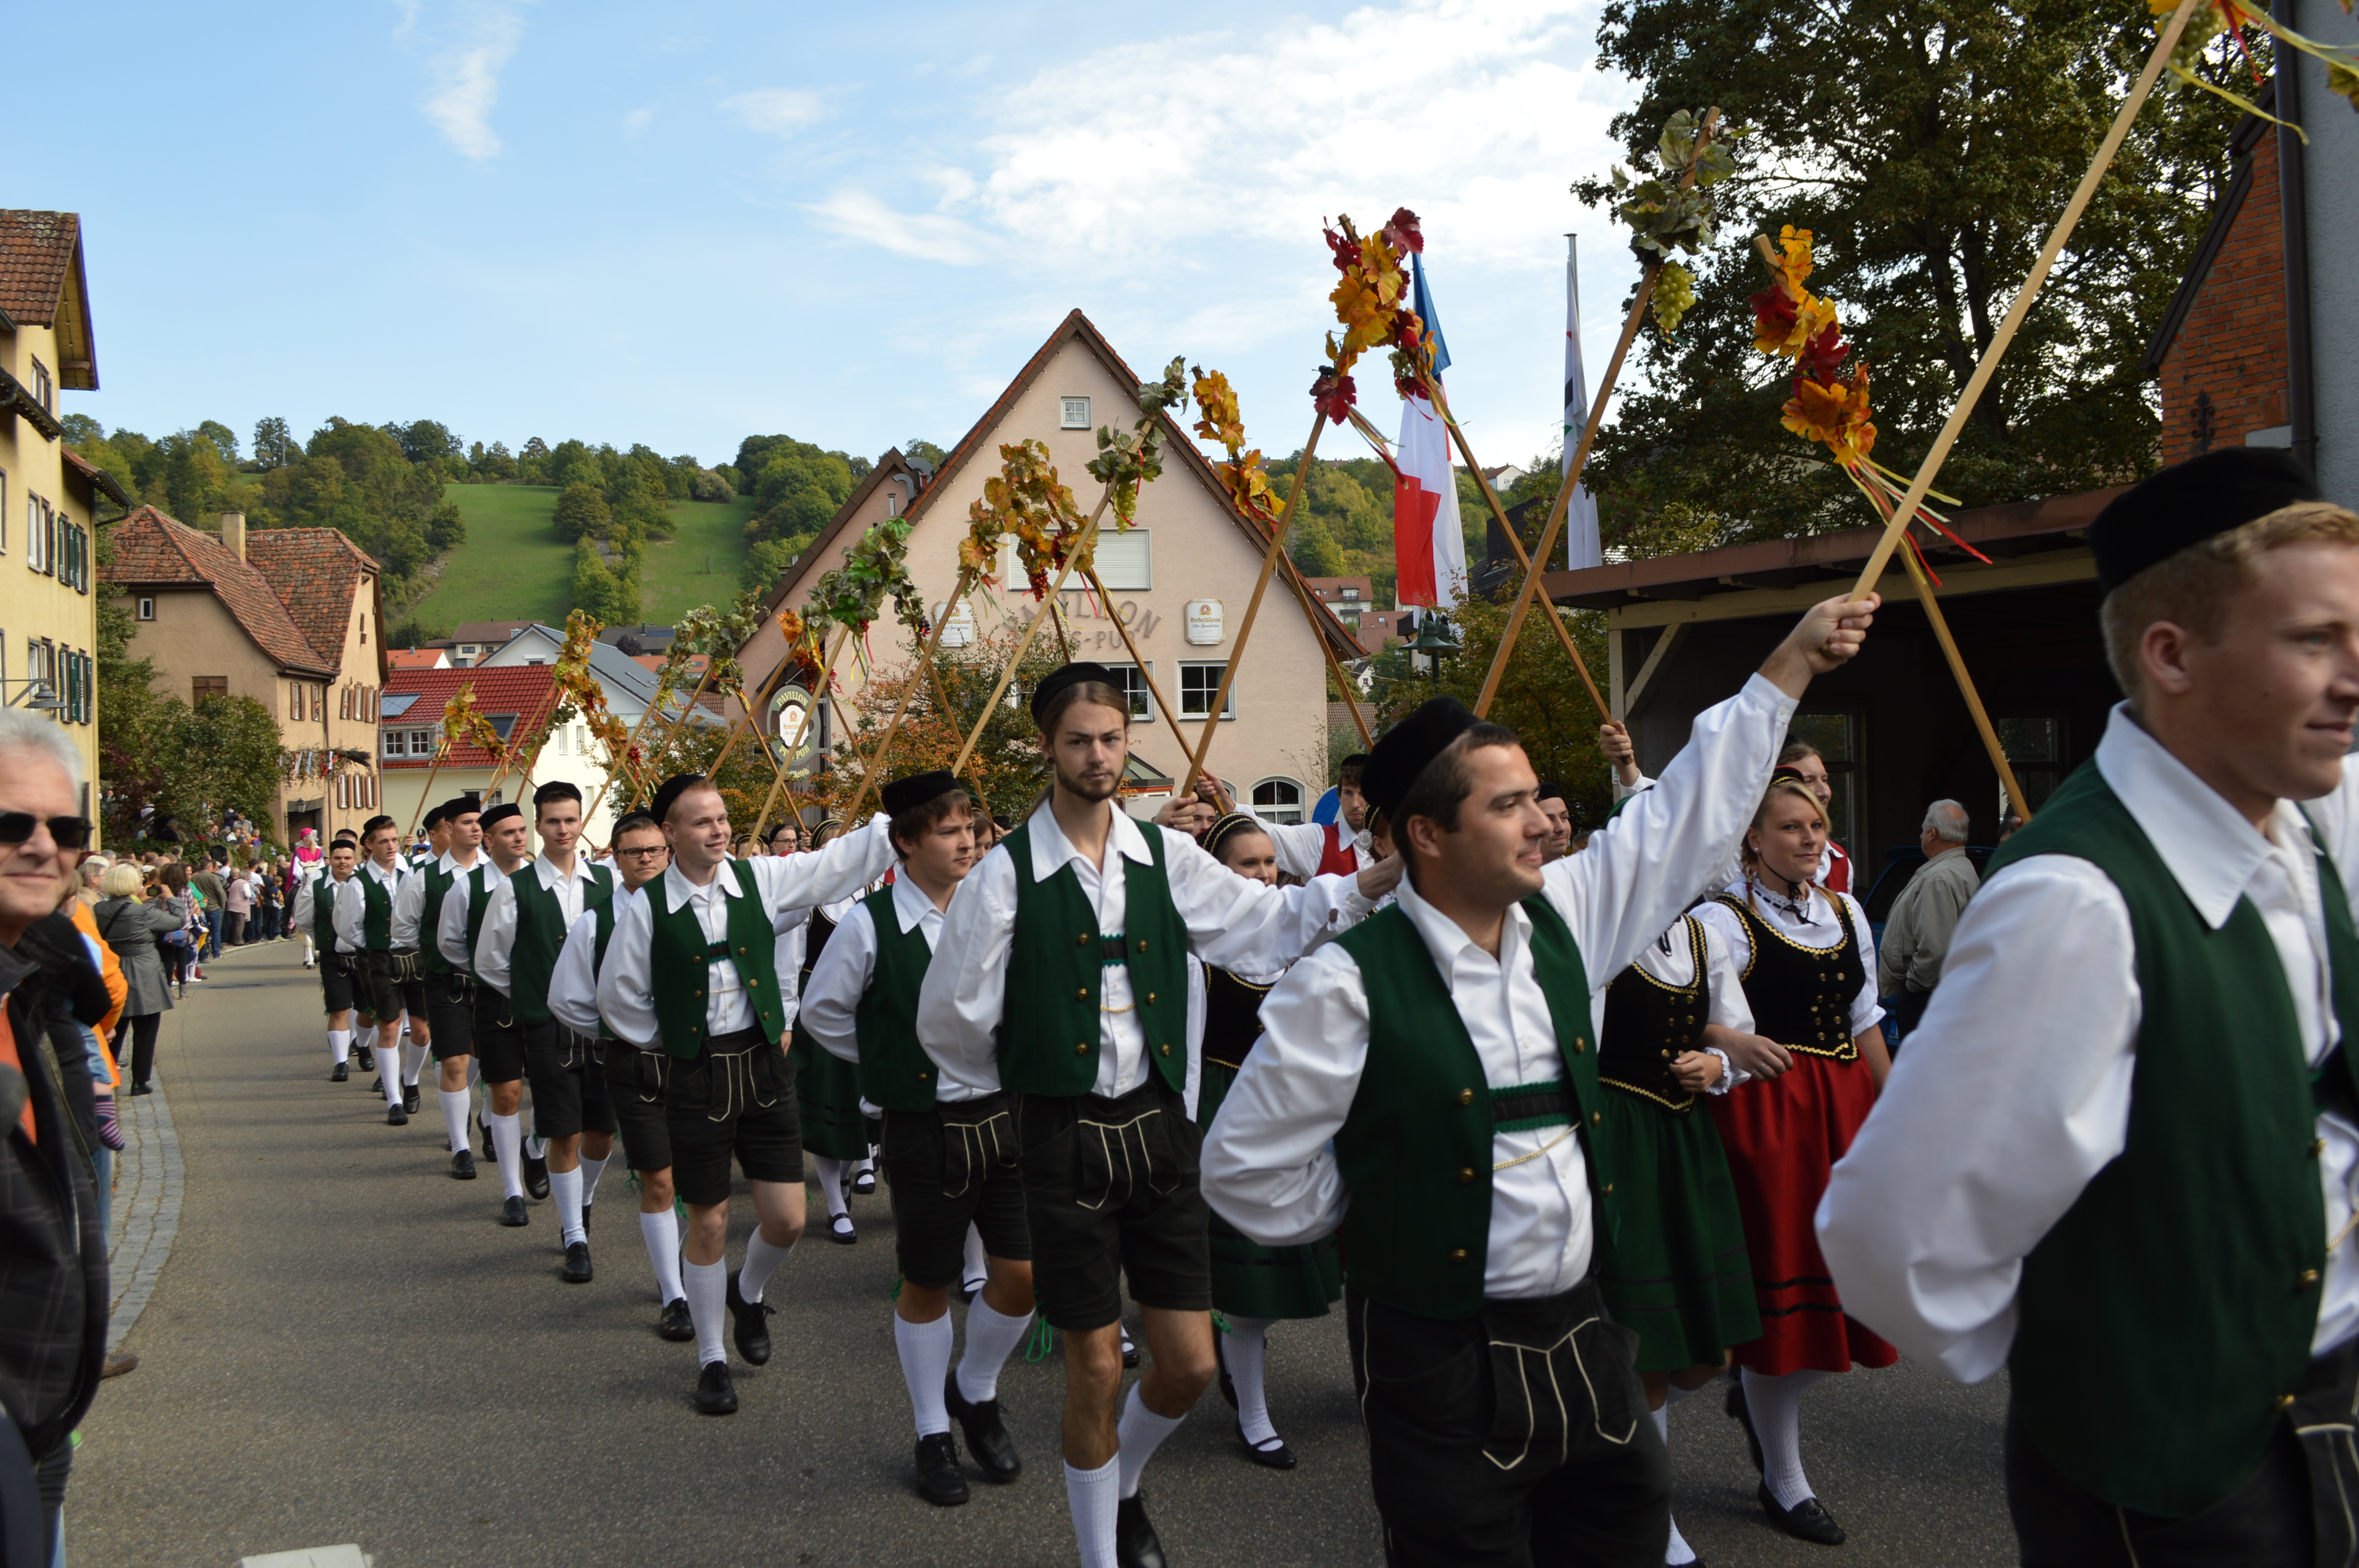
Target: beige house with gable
{"type": "Point", "coordinates": [1179, 580]}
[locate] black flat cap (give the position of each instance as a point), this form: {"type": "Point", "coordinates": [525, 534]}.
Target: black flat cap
{"type": "Point", "coordinates": [454, 809]}
{"type": "Point", "coordinates": [667, 795]}
{"type": "Point", "coordinates": [907, 794]}
{"type": "Point", "coordinates": [500, 814]}
{"type": "Point", "coordinates": [2190, 501]}
{"type": "Point", "coordinates": [557, 789]}
{"type": "Point", "coordinates": [1069, 675]}
{"type": "Point", "coordinates": [1405, 749]}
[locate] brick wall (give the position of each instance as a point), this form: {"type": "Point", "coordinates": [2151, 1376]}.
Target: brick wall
{"type": "Point", "coordinates": [2224, 376]}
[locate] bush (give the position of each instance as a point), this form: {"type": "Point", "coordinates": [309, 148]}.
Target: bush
{"type": "Point", "coordinates": [582, 512]}
{"type": "Point", "coordinates": [708, 485]}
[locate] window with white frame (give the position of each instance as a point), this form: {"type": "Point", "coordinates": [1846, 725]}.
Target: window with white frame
{"type": "Point", "coordinates": [36, 535]}
{"type": "Point", "coordinates": [45, 388]}
{"type": "Point", "coordinates": [1123, 560]}
{"type": "Point", "coordinates": [1133, 681]}
{"type": "Point", "coordinates": [395, 744]}
{"type": "Point", "coordinates": [1278, 800]}
{"type": "Point", "coordinates": [148, 612]}
{"type": "Point", "coordinates": [1074, 414]}
{"type": "Point", "coordinates": [1198, 683]}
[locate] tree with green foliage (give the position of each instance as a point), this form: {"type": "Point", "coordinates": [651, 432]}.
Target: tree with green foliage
{"type": "Point", "coordinates": [599, 590]}
{"type": "Point", "coordinates": [800, 490]}
{"type": "Point", "coordinates": [581, 513]}
{"type": "Point", "coordinates": [273, 444]}
{"type": "Point", "coordinates": [769, 560]}
{"type": "Point", "coordinates": [1929, 146]}
{"type": "Point", "coordinates": [919, 450]}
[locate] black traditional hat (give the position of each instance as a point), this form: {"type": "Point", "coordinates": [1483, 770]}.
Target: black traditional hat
{"type": "Point", "coordinates": [2189, 503]}
{"type": "Point", "coordinates": [1405, 749]}
{"type": "Point", "coordinates": [499, 813]}
{"type": "Point", "coordinates": [556, 789]}
{"type": "Point", "coordinates": [433, 818]}
{"type": "Point", "coordinates": [667, 794]}
{"type": "Point", "coordinates": [1070, 674]}
{"type": "Point", "coordinates": [458, 807]}
{"type": "Point", "coordinates": [907, 794]}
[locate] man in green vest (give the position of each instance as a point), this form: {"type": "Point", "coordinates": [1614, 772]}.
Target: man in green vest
{"type": "Point", "coordinates": [364, 929]}
{"type": "Point", "coordinates": [691, 972]}
{"type": "Point", "coordinates": [1084, 919]}
{"type": "Point", "coordinates": [2117, 1157]}
{"type": "Point", "coordinates": [315, 916]}
{"type": "Point", "coordinates": [516, 954]}
{"type": "Point", "coordinates": [450, 1000]}
{"type": "Point", "coordinates": [409, 971]}
{"type": "Point", "coordinates": [636, 1094]}
{"type": "Point", "coordinates": [949, 1145]}
{"type": "Point", "coordinates": [494, 1035]}
{"type": "Point", "coordinates": [1427, 1085]}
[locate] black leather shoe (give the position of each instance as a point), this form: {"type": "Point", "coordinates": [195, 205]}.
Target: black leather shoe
{"type": "Point", "coordinates": [675, 1325]}
{"type": "Point", "coordinates": [939, 1481]}
{"type": "Point", "coordinates": [577, 1263]}
{"type": "Point", "coordinates": [840, 1230]}
{"type": "Point", "coordinates": [491, 1148]}
{"type": "Point", "coordinates": [462, 1165]}
{"type": "Point", "coordinates": [1806, 1520]}
{"type": "Point", "coordinates": [366, 1058]}
{"type": "Point", "coordinates": [585, 1216]}
{"type": "Point", "coordinates": [986, 1434]}
{"type": "Point", "coordinates": [1270, 1454]}
{"type": "Point", "coordinates": [393, 1115]}
{"type": "Point", "coordinates": [376, 1085]}
{"type": "Point", "coordinates": [143, 1088]}
{"type": "Point", "coordinates": [410, 1098]}
{"type": "Point", "coordinates": [716, 1394]}
{"type": "Point", "coordinates": [1741, 1413]}
{"type": "Point", "coordinates": [864, 1183]}
{"type": "Point", "coordinates": [1136, 1544]}
{"type": "Point", "coordinates": [536, 1178]}
{"type": "Point", "coordinates": [513, 1212]}
{"type": "Point", "coordinates": [753, 1328]}
{"type": "Point", "coordinates": [342, 1074]}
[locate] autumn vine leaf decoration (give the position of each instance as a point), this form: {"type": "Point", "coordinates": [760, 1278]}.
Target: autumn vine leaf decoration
{"type": "Point", "coordinates": [463, 721]}
{"type": "Point", "coordinates": [1129, 458]}
{"type": "Point", "coordinates": [2213, 17]}
{"type": "Point", "coordinates": [1372, 306]}
{"type": "Point", "coordinates": [1668, 212]}
{"type": "Point", "coordinates": [1025, 500]}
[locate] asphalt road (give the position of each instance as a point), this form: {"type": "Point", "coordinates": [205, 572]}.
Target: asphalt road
{"type": "Point", "coordinates": [344, 1347]}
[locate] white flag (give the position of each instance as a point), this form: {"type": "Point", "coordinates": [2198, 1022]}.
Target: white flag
{"type": "Point", "coordinates": [1580, 542]}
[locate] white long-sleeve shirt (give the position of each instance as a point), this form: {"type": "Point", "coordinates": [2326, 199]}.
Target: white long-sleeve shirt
{"type": "Point", "coordinates": [307, 899]}
{"type": "Point", "coordinates": [2014, 1089]}
{"type": "Point", "coordinates": [481, 881]}
{"type": "Point", "coordinates": [1302, 845]}
{"type": "Point", "coordinates": [495, 941]}
{"type": "Point", "coordinates": [840, 980]}
{"type": "Point", "coordinates": [409, 901]}
{"type": "Point", "coordinates": [573, 983]}
{"type": "Point", "coordinates": [1232, 922]}
{"type": "Point", "coordinates": [788, 887]}
{"type": "Point", "coordinates": [1269, 1161]}
{"type": "Point", "coordinates": [1815, 927]}
{"type": "Point", "coordinates": [352, 904]}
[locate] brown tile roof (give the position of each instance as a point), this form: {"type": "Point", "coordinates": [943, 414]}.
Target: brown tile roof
{"type": "Point", "coordinates": [316, 571]}
{"type": "Point", "coordinates": [528, 691]}
{"type": "Point", "coordinates": [417, 659]}
{"type": "Point", "coordinates": [42, 284]}
{"type": "Point", "coordinates": [154, 550]}
{"type": "Point", "coordinates": [100, 480]}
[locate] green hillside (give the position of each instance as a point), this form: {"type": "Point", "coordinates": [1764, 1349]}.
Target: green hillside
{"type": "Point", "coordinates": [513, 564]}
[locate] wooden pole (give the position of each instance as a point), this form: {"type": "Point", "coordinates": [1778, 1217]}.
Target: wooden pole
{"type": "Point", "coordinates": [1988, 365]}
{"type": "Point", "coordinates": [925, 655]}
{"type": "Point", "coordinates": [623, 762]}
{"type": "Point", "coordinates": [1252, 607]}
{"type": "Point", "coordinates": [1023, 646]}
{"type": "Point", "coordinates": [1344, 682]}
{"type": "Point", "coordinates": [1154, 691]}
{"type": "Point", "coordinates": [942, 696]}
{"type": "Point", "coordinates": [1966, 684]}
{"type": "Point", "coordinates": [439, 752]}
{"type": "Point", "coordinates": [1499, 515]}
{"type": "Point", "coordinates": [1580, 458]}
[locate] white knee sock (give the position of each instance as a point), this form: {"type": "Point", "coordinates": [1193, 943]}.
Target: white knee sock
{"type": "Point", "coordinates": [590, 1171]}
{"type": "Point", "coordinates": [708, 1306]}
{"type": "Point", "coordinates": [1243, 1349]}
{"type": "Point", "coordinates": [454, 1117]}
{"type": "Point", "coordinates": [831, 1184]}
{"type": "Point", "coordinates": [565, 1186]}
{"type": "Point", "coordinates": [1142, 1431]}
{"type": "Point", "coordinates": [507, 1135]}
{"type": "Point", "coordinates": [991, 1339]}
{"type": "Point", "coordinates": [1679, 1552]}
{"type": "Point", "coordinates": [1775, 1404]}
{"type": "Point", "coordinates": [972, 1269]}
{"type": "Point", "coordinates": [537, 1146]}
{"type": "Point", "coordinates": [925, 1350]}
{"type": "Point", "coordinates": [412, 1058]}
{"type": "Point", "coordinates": [340, 1044]}
{"type": "Point", "coordinates": [661, 1233]}
{"type": "Point", "coordinates": [474, 1070]}
{"type": "Point", "coordinates": [389, 1064]}
{"type": "Point", "coordinates": [761, 1261]}
{"type": "Point", "coordinates": [1095, 1498]}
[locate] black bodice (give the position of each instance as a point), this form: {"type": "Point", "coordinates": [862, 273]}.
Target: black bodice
{"type": "Point", "coordinates": [814, 944]}
{"type": "Point", "coordinates": [1649, 1023]}
{"type": "Point", "coordinates": [1801, 995]}
{"type": "Point", "coordinates": [1232, 1017]}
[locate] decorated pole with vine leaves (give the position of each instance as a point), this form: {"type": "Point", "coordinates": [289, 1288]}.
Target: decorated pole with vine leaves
{"type": "Point", "coordinates": [826, 668]}
{"type": "Point", "coordinates": [1957, 661]}
{"type": "Point", "coordinates": [1023, 645]}
{"type": "Point", "coordinates": [1154, 691]}
{"type": "Point", "coordinates": [926, 651]}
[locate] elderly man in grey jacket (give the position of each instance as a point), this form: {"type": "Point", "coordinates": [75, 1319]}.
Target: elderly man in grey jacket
{"type": "Point", "coordinates": [1917, 935]}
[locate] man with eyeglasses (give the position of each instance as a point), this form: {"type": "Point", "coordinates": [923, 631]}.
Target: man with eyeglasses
{"type": "Point", "coordinates": [634, 1080]}
{"type": "Point", "coordinates": [787, 838]}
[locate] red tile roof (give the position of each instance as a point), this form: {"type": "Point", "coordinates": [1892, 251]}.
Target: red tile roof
{"type": "Point", "coordinates": [317, 571]}
{"type": "Point", "coordinates": [40, 260]}
{"type": "Point", "coordinates": [417, 659]}
{"type": "Point", "coordinates": [154, 550]}
{"type": "Point", "coordinates": [528, 691]}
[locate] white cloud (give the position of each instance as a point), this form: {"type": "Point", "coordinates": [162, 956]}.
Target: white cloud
{"type": "Point", "coordinates": [467, 83]}
{"type": "Point", "coordinates": [637, 121]}
{"type": "Point", "coordinates": [775, 111]}
{"type": "Point", "coordinates": [929, 236]}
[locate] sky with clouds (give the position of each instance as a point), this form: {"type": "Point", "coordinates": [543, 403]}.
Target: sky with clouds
{"type": "Point", "coordinates": [686, 223]}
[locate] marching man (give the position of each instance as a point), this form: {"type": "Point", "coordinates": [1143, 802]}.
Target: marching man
{"type": "Point", "coordinates": [493, 1035]}
{"type": "Point", "coordinates": [364, 931]}
{"type": "Point", "coordinates": [418, 912]}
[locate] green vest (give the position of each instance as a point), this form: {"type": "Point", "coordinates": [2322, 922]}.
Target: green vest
{"type": "Point", "coordinates": [1056, 963]}
{"type": "Point", "coordinates": [678, 953]}
{"type": "Point", "coordinates": [541, 936]}
{"type": "Point", "coordinates": [1416, 1146]}
{"type": "Point", "coordinates": [376, 914]}
{"type": "Point", "coordinates": [894, 1071]}
{"type": "Point", "coordinates": [438, 888]}
{"type": "Point", "coordinates": [482, 882]}
{"type": "Point", "coordinates": [2164, 1317]}
{"type": "Point", "coordinates": [323, 912]}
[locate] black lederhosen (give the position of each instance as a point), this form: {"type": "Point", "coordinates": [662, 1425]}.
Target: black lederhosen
{"type": "Point", "coordinates": [736, 1098]}
{"type": "Point", "coordinates": [1110, 1187]}
{"type": "Point", "coordinates": [634, 1091]}
{"type": "Point", "coordinates": [378, 993]}
{"type": "Point", "coordinates": [569, 1089]}
{"type": "Point", "coordinates": [951, 1167]}
{"type": "Point", "coordinates": [336, 981]}
{"type": "Point", "coordinates": [1516, 1437]}
{"type": "Point", "coordinates": [497, 1037]}
{"type": "Point", "coordinates": [451, 1013]}
{"type": "Point", "coordinates": [416, 998]}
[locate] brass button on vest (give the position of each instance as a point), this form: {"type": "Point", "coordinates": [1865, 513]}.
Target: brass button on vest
{"type": "Point", "coordinates": [1150, 999]}
{"type": "Point", "coordinates": [1083, 939]}
{"type": "Point", "coordinates": [1083, 994]}
{"type": "Point", "coordinates": [1667, 1056]}
{"type": "Point", "coordinates": [2305, 1280]}
{"type": "Point", "coordinates": [2282, 1402]}
{"type": "Point", "coordinates": [2317, 1147]}
{"type": "Point", "coordinates": [1080, 1048]}
{"type": "Point", "coordinates": [1465, 1174]}
{"type": "Point", "coordinates": [1465, 1097]}
{"type": "Point", "coordinates": [751, 981]}
{"type": "Point", "coordinates": [1579, 1045]}
{"type": "Point", "coordinates": [1595, 1116]}
{"type": "Point", "coordinates": [1167, 1050]}
{"type": "Point", "coordinates": [1458, 1255]}
{"type": "Point", "coordinates": [922, 1079]}
{"type": "Point", "coordinates": [1142, 944]}
{"type": "Point", "coordinates": [1609, 1189]}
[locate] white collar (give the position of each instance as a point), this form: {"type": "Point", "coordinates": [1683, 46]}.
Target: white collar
{"type": "Point", "coordinates": [383, 876]}
{"type": "Point", "coordinates": [679, 890]}
{"type": "Point", "coordinates": [911, 904]}
{"type": "Point", "coordinates": [451, 867]}
{"type": "Point", "coordinates": [1446, 939]}
{"type": "Point", "coordinates": [1051, 851]}
{"type": "Point", "coordinates": [551, 879]}
{"type": "Point", "coordinates": [2212, 850]}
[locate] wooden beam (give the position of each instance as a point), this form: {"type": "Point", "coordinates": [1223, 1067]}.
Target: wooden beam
{"type": "Point", "coordinates": [1666, 640]}
{"type": "Point", "coordinates": [2057, 567]}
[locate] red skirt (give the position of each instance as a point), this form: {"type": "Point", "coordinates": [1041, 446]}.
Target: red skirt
{"type": "Point", "coordinates": [1783, 1138]}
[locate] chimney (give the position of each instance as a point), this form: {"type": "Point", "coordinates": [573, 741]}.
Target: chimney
{"type": "Point", "coordinates": [233, 532]}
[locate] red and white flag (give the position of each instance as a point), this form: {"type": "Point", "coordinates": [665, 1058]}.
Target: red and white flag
{"type": "Point", "coordinates": [1429, 549]}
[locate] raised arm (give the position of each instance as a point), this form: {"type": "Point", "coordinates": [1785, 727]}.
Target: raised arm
{"type": "Point", "coordinates": [793, 883]}
{"type": "Point", "coordinates": [1235, 923]}
{"type": "Point", "coordinates": [1269, 1167]}
{"type": "Point", "coordinates": [830, 1014]}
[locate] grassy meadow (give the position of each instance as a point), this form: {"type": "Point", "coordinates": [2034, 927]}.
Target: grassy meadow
{"type": "Point", "coordinates": [513, 565]}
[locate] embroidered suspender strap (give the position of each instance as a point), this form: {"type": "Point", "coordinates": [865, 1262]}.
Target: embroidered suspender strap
{"type": "Point", "coordinates": [1529, 1106]}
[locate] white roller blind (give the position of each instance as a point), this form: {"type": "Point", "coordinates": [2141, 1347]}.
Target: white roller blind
{"type": "Point", "coordinates": [1123, 560]}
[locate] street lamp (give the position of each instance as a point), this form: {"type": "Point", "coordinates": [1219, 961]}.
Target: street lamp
{"type": "Point", "coordinates": [1433, 641]}
{"type": "Point", "coordinates": [37, 695]}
